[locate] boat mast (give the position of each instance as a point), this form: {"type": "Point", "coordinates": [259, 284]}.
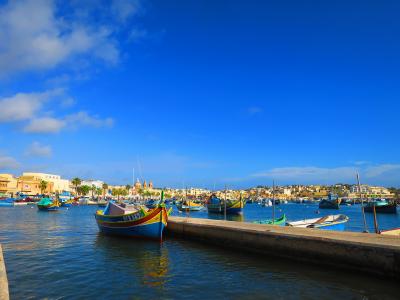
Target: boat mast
{"type": "Point", "coordinates": [362, 204]}
{"type": "Point", "coordinates": [186, 200]}
{"type": "Point", "coordinates": [225, 205]}
{"type": "Point", "coordinates": [273, 202]}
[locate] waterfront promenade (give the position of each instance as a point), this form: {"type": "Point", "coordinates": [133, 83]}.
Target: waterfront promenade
{"type": "Point", "coordinates": [370, 253]}
{"type": "Point", "coordinates": [3, 278]}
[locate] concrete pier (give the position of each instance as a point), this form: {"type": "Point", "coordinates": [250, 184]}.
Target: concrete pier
{"type": "Point", "coordinates": [3, 278]}
{"type": "Point", "coordinates": [370, 253]}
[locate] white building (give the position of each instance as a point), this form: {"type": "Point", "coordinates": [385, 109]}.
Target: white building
{"type": "Point", "coordinates": [97, 183]}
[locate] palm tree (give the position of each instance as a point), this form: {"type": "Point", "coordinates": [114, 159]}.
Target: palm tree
{"type": "Point", "coordinates": [128, 187]}
{"type": "Point", "coordinates": [93, 189]}
{"type": "Point", "coordinates": [85, 189]}
{"type": "Point", "coordinates": [76, 182]}
{"type": "Point", "coordinates": [105, 187]}
{"type": "Point", "coordinates": [42, 186]}
{"type": "Point", "coordinates": [116, 192]}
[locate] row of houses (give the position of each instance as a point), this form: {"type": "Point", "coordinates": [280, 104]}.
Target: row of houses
{"type": "Point", "coordinates": [29, 183]}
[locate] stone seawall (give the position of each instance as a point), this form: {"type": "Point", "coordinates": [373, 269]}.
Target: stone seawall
{"type": "Point", "coordinates": [371, 253]}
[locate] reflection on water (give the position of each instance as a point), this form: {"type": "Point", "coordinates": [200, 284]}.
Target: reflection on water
{"type": "Point", "coordinates": [65, 252]}
{"type": "Point", "coordinates": [149, 258]}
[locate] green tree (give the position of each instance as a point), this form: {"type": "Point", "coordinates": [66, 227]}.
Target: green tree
{"type": "Point", "coordinates": [76, 182]}
{"type": "Point", "coordinates": [84, 189]}
{"type": "Point", "coordinates": [43, 186]}
{"type": "Point", "coordinates": [128, 187]}
{"type": "Point", "coordinates": [105, 188]}
{"type": "Point", "coordinates": [93, 189]}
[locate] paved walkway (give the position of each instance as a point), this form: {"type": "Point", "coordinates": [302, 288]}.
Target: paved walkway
{"type": "Point", "coordinates": [3, 278]}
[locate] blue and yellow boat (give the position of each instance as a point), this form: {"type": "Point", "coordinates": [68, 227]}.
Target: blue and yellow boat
{"type": "Point", "coordinates": [188, 205]}
{"type": "Point", "coordinates": [116, 219]}
{"type": "Point", "coordinates": [217, 205]}
{"type": "Point", "coordinates": [47, 204]}
{"type": "Point", "coordinates": [66, 199]}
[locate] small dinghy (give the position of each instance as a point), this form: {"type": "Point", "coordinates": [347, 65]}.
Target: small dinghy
{"type": "Point", "coordinates": [330, 222]}
{"type": "Point", "coordinates": [278, 221]}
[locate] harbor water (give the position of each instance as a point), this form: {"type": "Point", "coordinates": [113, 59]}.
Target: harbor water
{"type": "Point", "coordinates": [61, 255]}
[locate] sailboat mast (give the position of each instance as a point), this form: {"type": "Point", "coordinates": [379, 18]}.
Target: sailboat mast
{"type": "Point", "coordinates": [362, 203]}
{"type": "Point", "coordinates": [225, 205]}
{"type": "Point", "coordinates": [273, 202]}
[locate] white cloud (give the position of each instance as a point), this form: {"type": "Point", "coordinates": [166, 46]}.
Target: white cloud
{"type": "Point", "coordinates": [310, 173]}
{"type": "Point", "coordinates": [34, 37]}
{"type": "Point", "coordinates": [331, 175]}
{"type": "Point", "coordinates": [23, 106]}
{"type": "Point", "coordinates": [72, 121]}
{"type": "Point", "coordinates": [45, 125]}
{"type": "Point", "coordinates": [123, 9]}
{"type": "Point", "coordinates": [83, 118]}
{"type": "Point", "coordinates": [37, 149]}
{"type": "Point", "coordinates": [8, 162]}
{"type": "Point", "coordinates": [379, 170]}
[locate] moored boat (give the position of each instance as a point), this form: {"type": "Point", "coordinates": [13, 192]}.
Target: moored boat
{"type": "Point", "coordinates": [330, 222]}
{"type": "Point", "coordinates": [277, 221]}
{"type": "Point", "coordinates": [118, 220]}
{"type": "Point", "coordinates": [189, 206]}
{"type": "Point", "coordinates": [217, 205]}
{"type": "Point", "coordinates": [332, 202]}
{"type": "Point", "coordinates": [381, 206]}
{"type": "Point", "coordinates": [47, 204]}
{"type": "Point", "coordinates": [66, 199]}
{"type": "Point", "coordinates": [153, 203]}
{"type": "Point", "coordinates": [7, 202]}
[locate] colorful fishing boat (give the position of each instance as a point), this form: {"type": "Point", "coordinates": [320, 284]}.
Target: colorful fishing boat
{"type": "Point", "coordinates": [279, 221]}
{"type": "Point", "coordinates": [381, 206]}
{"type": "Point", "coordinates": [118, 220]}
{"type": "Point", "coordinates": [153, 203]}
{"type": "Point", "coordinates": [188, 205]}
{"type": "Point", "coordinates": [330, 222]}
{"type": "Point", "coordinates": [332, 202]}
{"type": "Point", "coordinates": [7, 202]}
{"type": "Point", "coordinates": [47, 204]}
{"type": "Point", "coordinates": [217, 205]}
{"type": "Point", "coordinates": [65, 199]}
{"type": "Point", "coordinates": [67, 203]}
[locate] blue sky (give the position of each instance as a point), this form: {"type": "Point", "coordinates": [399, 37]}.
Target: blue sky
{"type": "Point", "coordinates": [201, 93]}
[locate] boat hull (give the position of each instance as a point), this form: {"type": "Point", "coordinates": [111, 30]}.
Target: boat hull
{"type": "Point", "coordinates": [279, 221]}
{"type": "Point", "coordinates": [6, 204]}
{"type": "Point", "coordinates": [150, 226]}
{"type": "Point", "coordinates": [325, 204]}
{"type": "Point", "coordinates": [47, 208]}
{"type": "Point", "coordinates": [229, 210]}
{"type": "Point", "coordinates": [232, 208]}
{"type": "Point", "coordinates": [190, 208]}
{"type": "Point", "coordinates": [384, 209]}
{"type": "Point", "coordinates": [333, 222]}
